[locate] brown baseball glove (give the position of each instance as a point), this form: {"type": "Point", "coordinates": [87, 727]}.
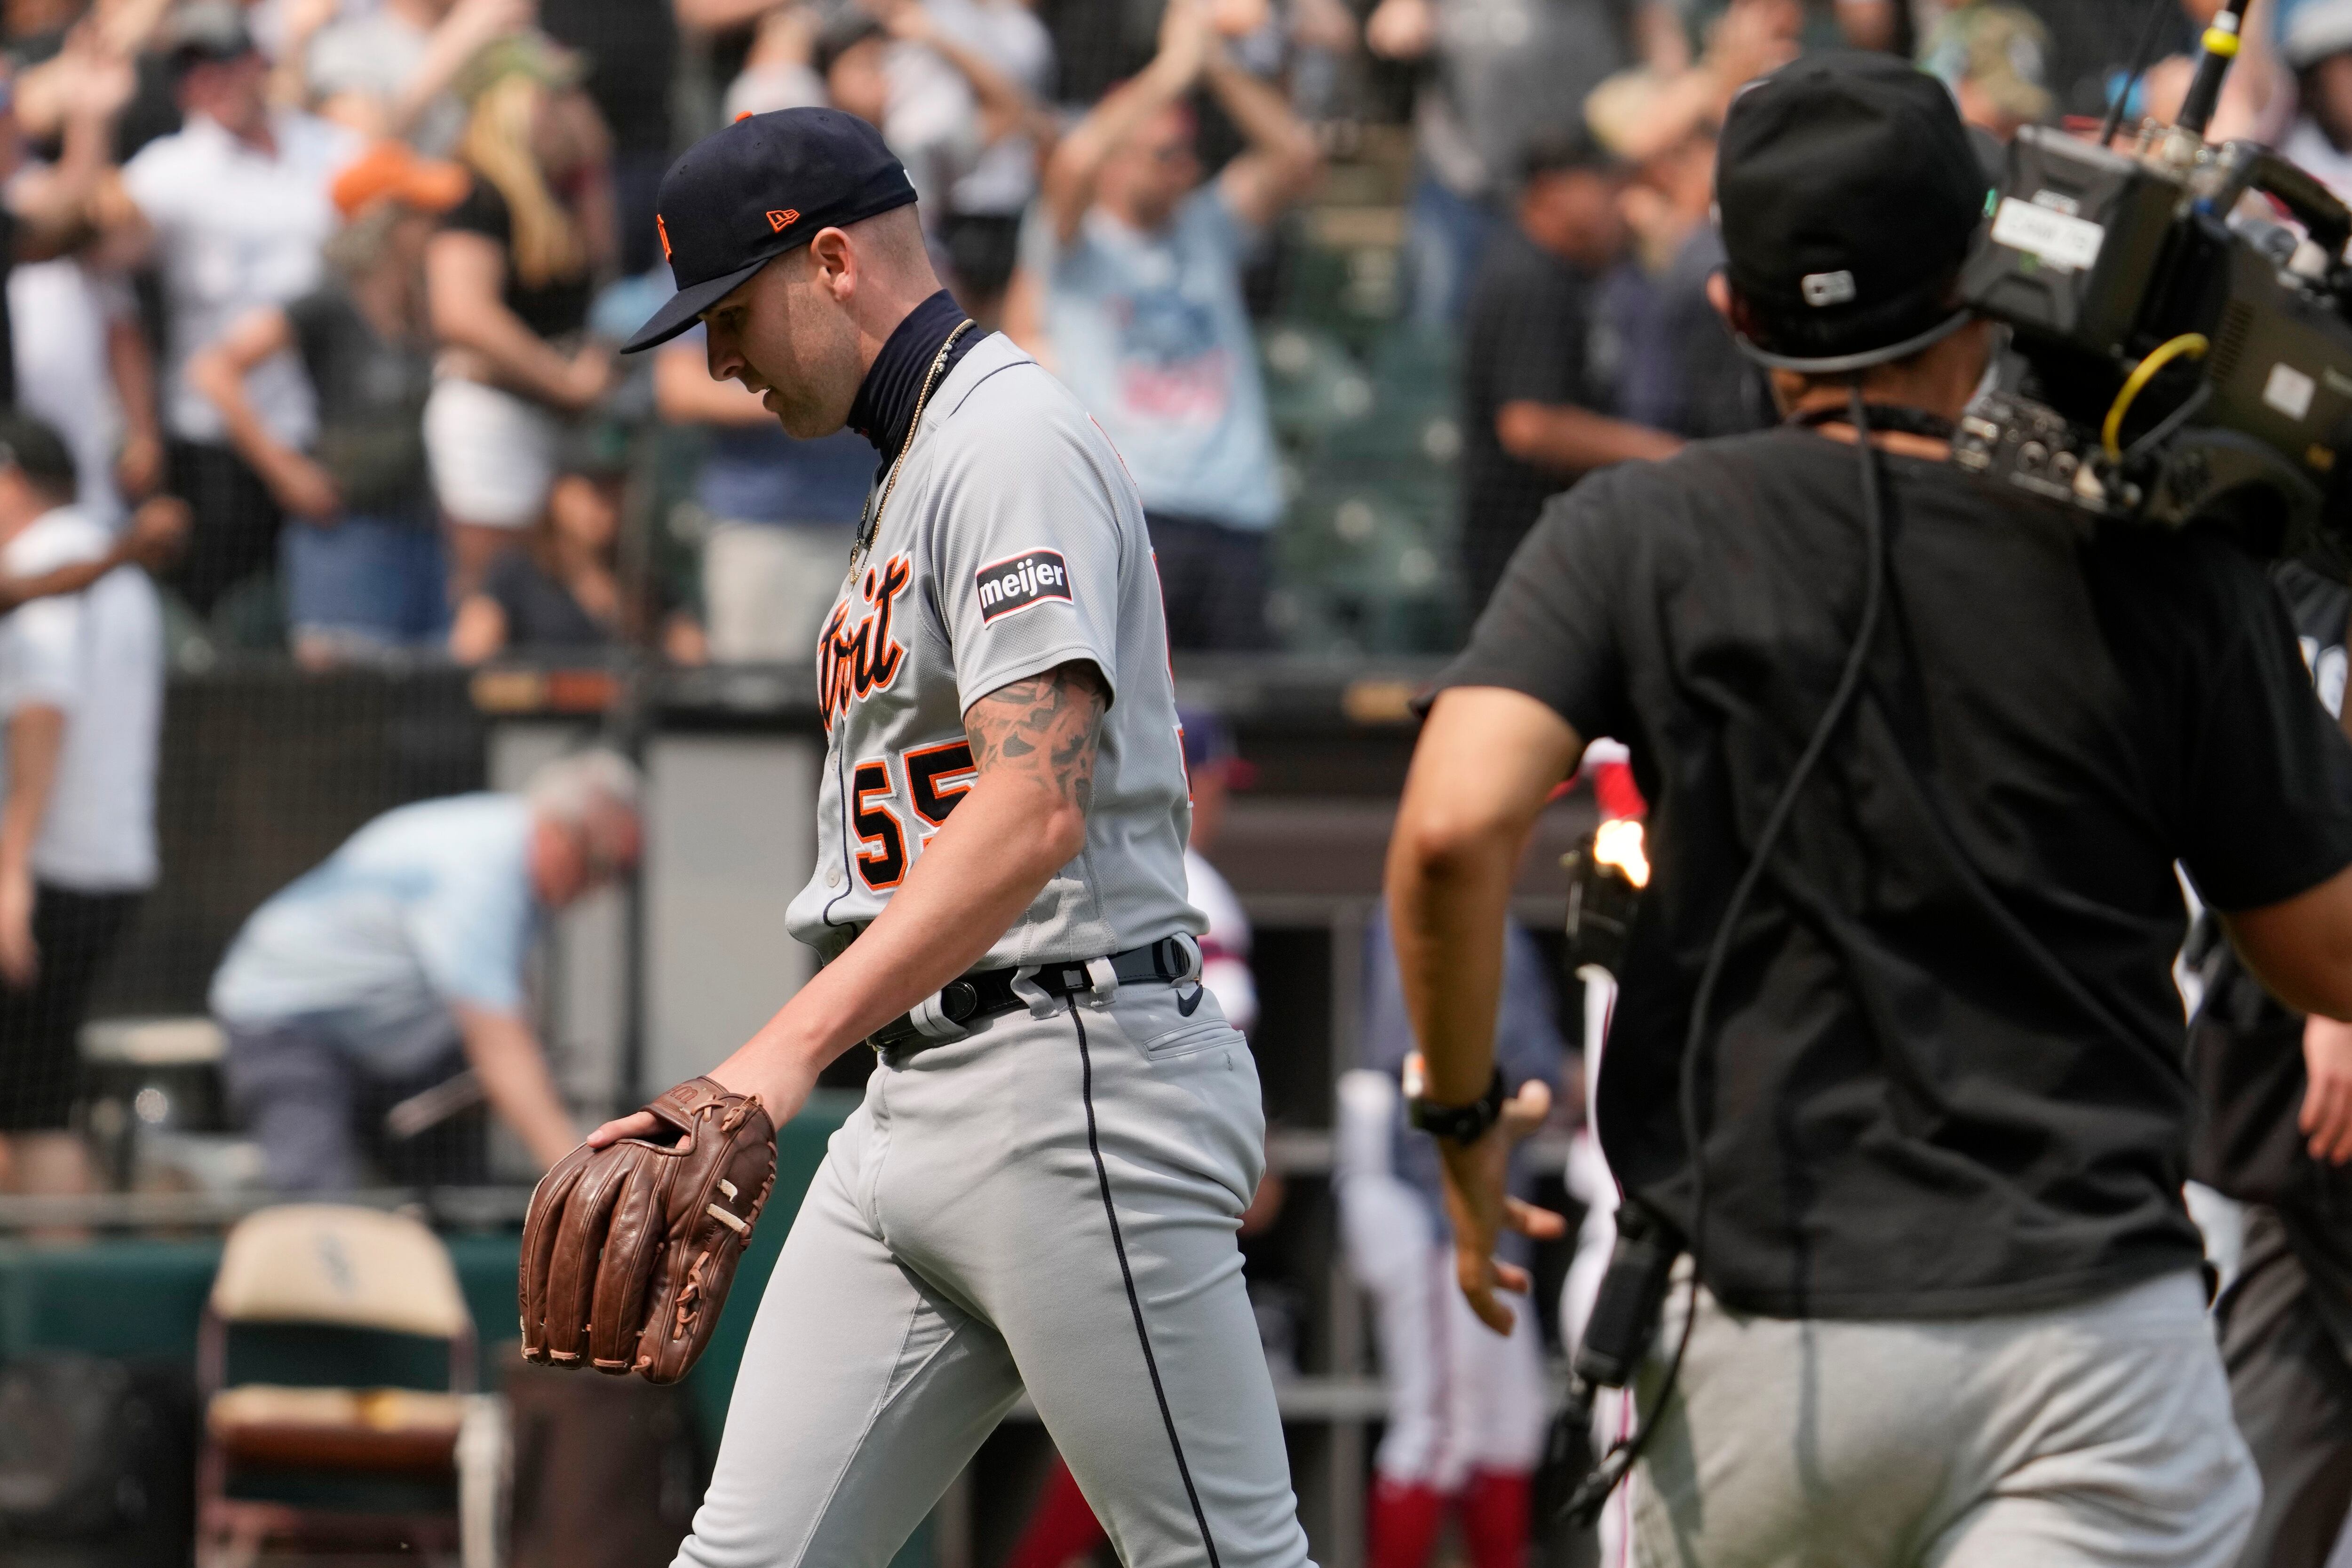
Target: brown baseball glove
{"type": "Point", "coordinates": [629, 1248]}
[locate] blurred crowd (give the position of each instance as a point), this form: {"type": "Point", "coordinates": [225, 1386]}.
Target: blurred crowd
{"type": "Point", "coordinates": [345, 275]}
{"type": "Point", "coordinates": [335, 287]}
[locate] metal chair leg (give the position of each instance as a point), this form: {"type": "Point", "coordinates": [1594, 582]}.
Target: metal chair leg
{"type": "Point", "coordinates": [485, 1481]}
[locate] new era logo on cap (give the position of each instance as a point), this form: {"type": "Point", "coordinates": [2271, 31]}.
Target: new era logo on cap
{"type": "Point", "coordinates": [777, 220]}
{"type": "Point", "coordinates": [1020, 581]}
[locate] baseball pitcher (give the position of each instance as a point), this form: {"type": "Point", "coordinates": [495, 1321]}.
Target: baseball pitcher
{"type": "Point", "coordinates": [1040, 1190]}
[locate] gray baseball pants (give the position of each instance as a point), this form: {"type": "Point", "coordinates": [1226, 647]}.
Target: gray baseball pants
{"type": "Point", "coordinates": [1048, 1206]}
{"type": "Point", "coordinates": [2094, 1435]}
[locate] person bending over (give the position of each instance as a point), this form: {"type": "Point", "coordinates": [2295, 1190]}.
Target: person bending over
{"type": "Point", "coordinates": [397, 964]}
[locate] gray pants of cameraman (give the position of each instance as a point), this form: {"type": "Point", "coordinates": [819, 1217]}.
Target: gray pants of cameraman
{"type": "Point", "coordinates": [1047, 1206]}
{"type": "Point", "coordinates": [2096, 1433]}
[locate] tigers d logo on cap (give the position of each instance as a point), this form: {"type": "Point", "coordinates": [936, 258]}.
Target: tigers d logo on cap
{"type": "Point", "coordinates": [745, 194]}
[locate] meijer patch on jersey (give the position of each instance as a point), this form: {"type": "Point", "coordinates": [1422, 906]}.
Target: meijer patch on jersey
{"type": "Point", "coordinates": [1020, 581]}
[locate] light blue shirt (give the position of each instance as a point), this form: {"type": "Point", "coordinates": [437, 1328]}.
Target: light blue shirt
{"type": "Point", "coordinates": [427, 905]}
{"type": "Point", "coordinates": [1150, 331]}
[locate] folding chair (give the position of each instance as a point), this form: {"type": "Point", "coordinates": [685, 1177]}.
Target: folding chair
{"type": "Point", "coordinates": [328, 1266]}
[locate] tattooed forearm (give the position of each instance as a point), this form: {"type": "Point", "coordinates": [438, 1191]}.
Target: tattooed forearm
{"type": "Point", "coordinates": [1047, 725]}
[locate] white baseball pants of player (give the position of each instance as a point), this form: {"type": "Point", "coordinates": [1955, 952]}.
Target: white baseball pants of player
{"type": "Point", "coordinates": [1461, 1398]}
{"type": "Point", "coordinates": [1047, 1206]}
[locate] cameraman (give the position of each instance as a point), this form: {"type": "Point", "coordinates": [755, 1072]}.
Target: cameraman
{"type": "Point", "coordinates": [1953, 1312]}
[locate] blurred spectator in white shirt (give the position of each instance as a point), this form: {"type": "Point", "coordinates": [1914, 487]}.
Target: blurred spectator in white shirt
{"type": "Point", "coordinates": [1129, 286]}
{"type": "Point", "coordinates": [47, 209]}
{"type": "Point", "coordinates": [232, 210]}
{"type": "Point", "coordinates": [81, 695]}
{"type": "Point", "coordinates": [77, 355]}
{"type": "Point", "coordinates": [83, 365]}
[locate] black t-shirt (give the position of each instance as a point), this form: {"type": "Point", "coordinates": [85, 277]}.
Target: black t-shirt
{"type": "Point", "coordinates": [1526, 339]}
{"type": "Point", "coordinates": [632, 50]}
{"type": "Point", "coordinates": [540, 611]}
{"type": "Point", "coordinates": [554, 310]}
{"type": "Point", "coordinates": [1908, 1115]}
{"type": "Point", "coordinates": [371, 396]}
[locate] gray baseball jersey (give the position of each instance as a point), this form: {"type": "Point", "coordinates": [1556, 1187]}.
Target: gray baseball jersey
{"type": "Point", "coordinates": [1013, 542]}
{"type": "Point", "coordinates": [1047, 1205]}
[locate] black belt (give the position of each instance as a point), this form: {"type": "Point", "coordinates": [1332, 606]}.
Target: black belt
{"type": "Point", "coordinates": [948, 1013]}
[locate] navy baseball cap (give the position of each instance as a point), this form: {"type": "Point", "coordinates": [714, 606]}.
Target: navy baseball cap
{"type": "Point", "coordinates": [742, 197]}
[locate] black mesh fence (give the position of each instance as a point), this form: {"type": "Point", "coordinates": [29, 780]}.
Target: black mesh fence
{"type": "Point", "coordinates": [265, 770]}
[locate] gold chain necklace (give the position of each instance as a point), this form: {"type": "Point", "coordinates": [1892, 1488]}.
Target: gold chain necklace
{"type": "Point", "coordinates": [869, 522]}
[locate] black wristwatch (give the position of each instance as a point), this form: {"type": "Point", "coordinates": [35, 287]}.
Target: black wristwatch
{"type": "Point", "coordinates": [1459, 1124]}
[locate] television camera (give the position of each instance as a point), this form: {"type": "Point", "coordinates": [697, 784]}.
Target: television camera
{"type": "Point", "coordinates": [2181, 318]}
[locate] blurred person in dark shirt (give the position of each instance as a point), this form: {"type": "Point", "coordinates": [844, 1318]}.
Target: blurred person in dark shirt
{"type": "Point", "coordinates": [2275, 1136]}
{"type": "Point", "coordinates": [781, 511]}
{"type": "Point", "coordinates": [1538, 411]}
{"type": "Point", "coordinates": [362, 568]}
{"type": "Point", "coordinates": [1684, 372]}
{"type": "Point", "coordinates": [631, 47]}
{"type": "Point", "coordinates": [564, 589]}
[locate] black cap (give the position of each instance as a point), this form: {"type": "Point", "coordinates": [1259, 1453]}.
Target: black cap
{"type": "Point", "coordinates": [742, 197]}
{"type": "Point", "coordinates": [1850, 193]}
{"type": "Point", "coordinates": [35, 450]}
